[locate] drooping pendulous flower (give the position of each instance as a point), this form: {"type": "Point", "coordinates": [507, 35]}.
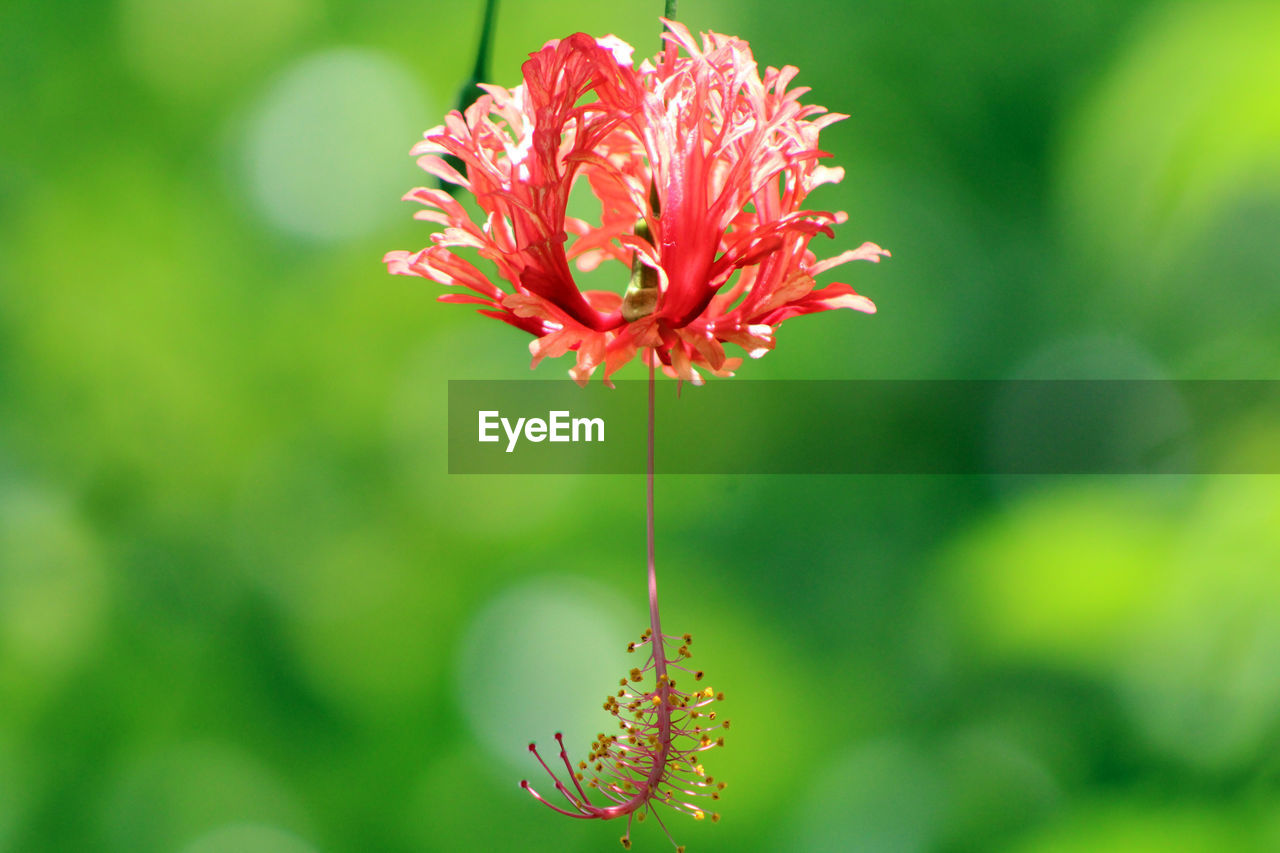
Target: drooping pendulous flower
{"type": "Point", "coordinates": [654, 759]}
{"type": "Point", "coordinates": [701, 168]}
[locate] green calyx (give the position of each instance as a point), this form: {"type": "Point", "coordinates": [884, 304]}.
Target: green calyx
{"type": "Point", "coordinates": [641, 298]}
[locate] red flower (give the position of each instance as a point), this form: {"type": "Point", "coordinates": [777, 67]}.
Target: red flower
{"type": "Point", "coordinates": [700, 167]}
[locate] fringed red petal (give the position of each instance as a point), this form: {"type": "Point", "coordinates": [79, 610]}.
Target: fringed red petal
{"type": "Point", "coordinates": [700, 163]}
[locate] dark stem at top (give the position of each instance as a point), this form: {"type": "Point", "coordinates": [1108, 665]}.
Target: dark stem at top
{"type": "Point", "coordinates": [471, 90]}
{"type": "Point", "coordinates": [481, 70]}
{"type": "Point", "coordinates": [671, 10]}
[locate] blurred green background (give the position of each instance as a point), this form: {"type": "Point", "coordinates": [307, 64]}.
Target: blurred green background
{"type": "Point", "coordinates": [243, 608]}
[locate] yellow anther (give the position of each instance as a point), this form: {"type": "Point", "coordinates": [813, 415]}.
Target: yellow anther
{"type": "Point", "coordinates": [626, 843]}
{"type": "Point", "coordinates": [640, 817]}
{"type": "Point", "coordinates": [719, 741]}
{"type": "Point", "coordinates": [711, 715]}
{"type": "Point", "coordinates": [688, 638]}
{"type": "Point", "coordinates": [631, 647]}
{"type": "Point", "coordinates": [715, 817]}
{"type": "Point", "coordinates": [726, 724]}
{"type": "Point", "coordinates": [657, 700]}
{"type": "Point", "coordinates": [719, 697]}
{"type": "Point", "coordinates": [708, 693]}
{"type": "Point", "coordinates": [697, 768]}
{"type": "Point", "coordinates": [697, 676]}
{"type": "Point", "coordinates": [698, 814]}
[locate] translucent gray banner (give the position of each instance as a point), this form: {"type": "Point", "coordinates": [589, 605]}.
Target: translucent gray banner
{"type": "Point", "coordinates": [869, 427]}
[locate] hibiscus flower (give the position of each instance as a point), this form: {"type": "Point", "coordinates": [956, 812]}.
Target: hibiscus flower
{"type": "Point", "coordinates": [701, 167]}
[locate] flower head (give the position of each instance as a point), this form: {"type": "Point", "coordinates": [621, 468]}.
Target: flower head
{"type": "Point", "coordinates": [654, 759]}
{"type": "Point", "coordinates": [701, 168]}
